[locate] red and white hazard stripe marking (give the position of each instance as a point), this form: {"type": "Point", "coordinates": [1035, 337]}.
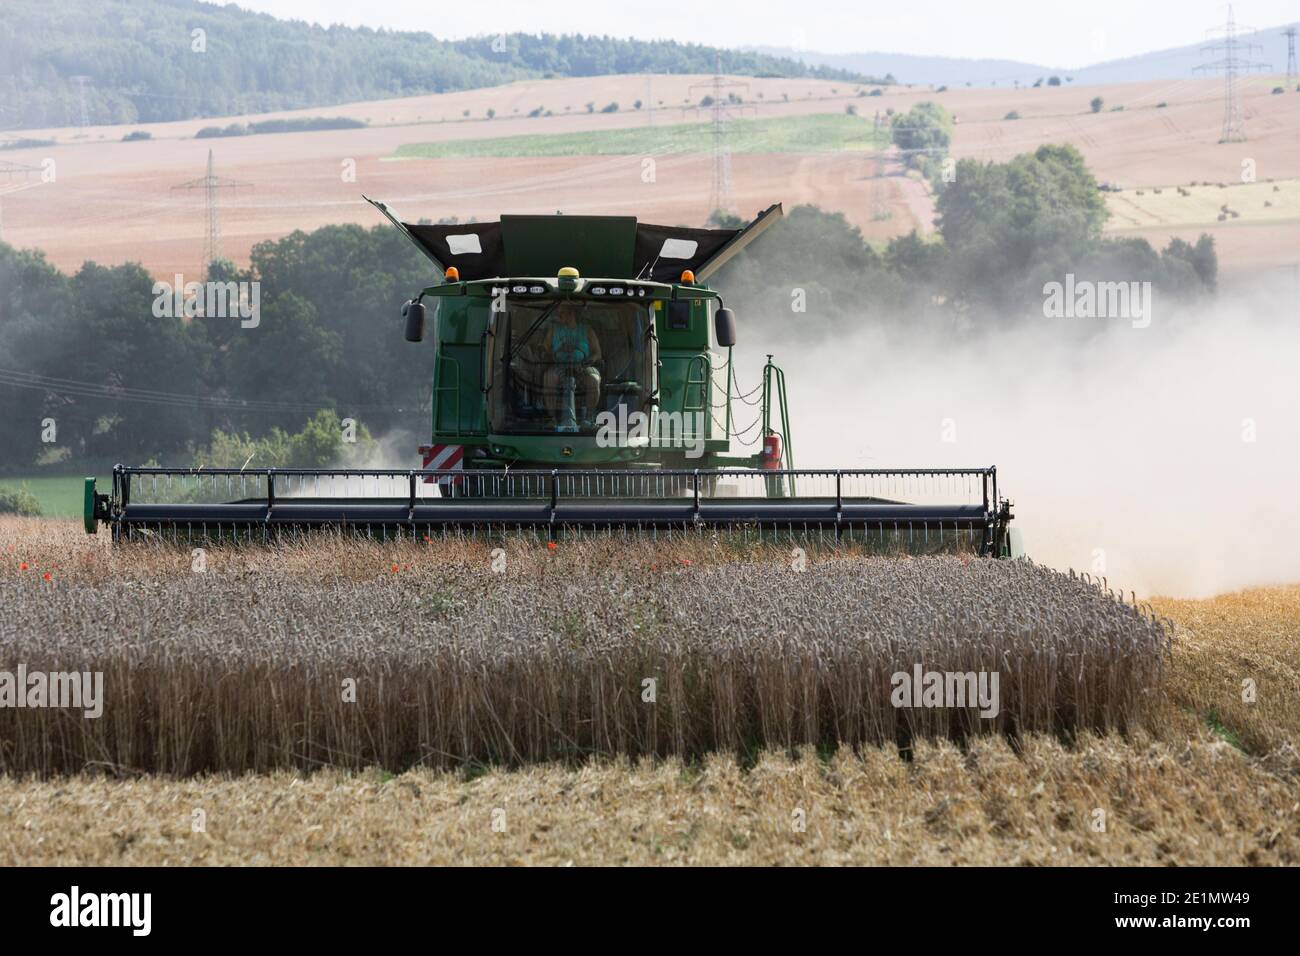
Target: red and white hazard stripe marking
{"type": "Point", "coordinates": [441, 458]}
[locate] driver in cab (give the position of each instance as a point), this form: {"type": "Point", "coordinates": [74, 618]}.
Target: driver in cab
{"type": "Point", "coordinates": [576, 352]}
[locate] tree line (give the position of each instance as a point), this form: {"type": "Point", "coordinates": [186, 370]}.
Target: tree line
{"type": "Point", "coordinates": [1004, 232]}
{"type": "Point", "coordinates": [87, 353]}
{"type": "Point", "coordinates": [139, 61]}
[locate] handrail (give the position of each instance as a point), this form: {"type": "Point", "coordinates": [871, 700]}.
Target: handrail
{"type": "Point", "coordinates": [787, 446]}
{"type": "Point", "coordinates": [787, 449]}
{"type": "Point", "coordinates": [705, 383]}
{"type": "Point", "coordinates": [731, 377]}
{"type": "Point", "coordinates": [982, 470]}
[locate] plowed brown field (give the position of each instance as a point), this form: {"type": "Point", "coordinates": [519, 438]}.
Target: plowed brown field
{"type": "Point", "coordinates": [114, 202]}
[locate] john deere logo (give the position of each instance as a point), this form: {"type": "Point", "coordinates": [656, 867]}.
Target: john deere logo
{"type": "Point", "coordinates": [566, 451]}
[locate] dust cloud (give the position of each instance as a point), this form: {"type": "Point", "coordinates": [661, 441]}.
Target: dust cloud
{"type": "Point", "coordinates": [395, 449]}
{"type": "Point", "coordinates": [1166, 458]}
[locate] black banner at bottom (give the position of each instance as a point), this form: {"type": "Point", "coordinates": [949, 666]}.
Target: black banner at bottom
{"type": "Point", "coordinates": [336, 905]}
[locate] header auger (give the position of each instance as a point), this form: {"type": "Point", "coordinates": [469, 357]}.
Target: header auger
{"type": "Point", "coordinates": [583, 381]}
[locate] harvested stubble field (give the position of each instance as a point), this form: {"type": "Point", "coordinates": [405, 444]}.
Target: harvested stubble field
{"type": "Point", "coordinates": [759, 670]}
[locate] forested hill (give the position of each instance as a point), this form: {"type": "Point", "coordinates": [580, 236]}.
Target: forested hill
{"type": "Point", "coordinates": [129, 61]}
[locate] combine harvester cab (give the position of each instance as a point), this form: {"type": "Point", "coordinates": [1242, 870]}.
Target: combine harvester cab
{"type": "Point", "coordinates": [582, 380]}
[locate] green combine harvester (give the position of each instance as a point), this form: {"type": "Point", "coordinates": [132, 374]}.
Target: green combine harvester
{"type": "Point", "coordinates": [583, 380]}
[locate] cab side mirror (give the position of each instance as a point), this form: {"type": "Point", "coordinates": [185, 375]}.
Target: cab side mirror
{"type": "Point", "coordinates": [724, 327]}
{"type": "Point", "coordinates": [414, 312]}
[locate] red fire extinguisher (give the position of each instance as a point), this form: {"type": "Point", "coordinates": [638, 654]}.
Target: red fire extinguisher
{"type": "Point", "coordinates": [771, 458]}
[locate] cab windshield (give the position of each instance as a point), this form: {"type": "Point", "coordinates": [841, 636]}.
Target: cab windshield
{"type": "Point", "coordinates": [560, 363]}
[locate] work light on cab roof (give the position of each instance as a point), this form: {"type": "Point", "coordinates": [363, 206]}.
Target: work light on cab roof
{"type": "Point", "coordinates": [581, 378]}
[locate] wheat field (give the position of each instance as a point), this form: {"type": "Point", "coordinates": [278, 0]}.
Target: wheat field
{"type": "Point", "coordinates": [1190, 774]}
{"type": "Point", "coordinates": [451, 653]}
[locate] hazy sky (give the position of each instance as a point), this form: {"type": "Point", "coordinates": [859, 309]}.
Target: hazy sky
{"type": "Point", "coordinates": [1064, 33]}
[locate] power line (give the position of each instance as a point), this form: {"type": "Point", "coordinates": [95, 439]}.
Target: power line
{"type": "Point", "coordinates": [720, 96]}
{"type": "Point", "coordinates": [16, 378]}
{"type": "Point", "coordinates": [879, 202]}
{"type": "Point", "coordinates": [1230, 64]}
{"type": "Point", "coordinates": [211, 184]}
{"type": "Point", "coordinates": [81, 82]}
{"type": "Point", "coordinates": [12, 102]}
{"type": "Point", "coordinates": [10, 171]}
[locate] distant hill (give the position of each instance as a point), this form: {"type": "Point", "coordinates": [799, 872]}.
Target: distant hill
{"type": "Point", "coordinates": [1177, 63]}
{"type": "Point", "coordinates": [909, 68]}
{"type": "Point", "coordinates": [63, 62]}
